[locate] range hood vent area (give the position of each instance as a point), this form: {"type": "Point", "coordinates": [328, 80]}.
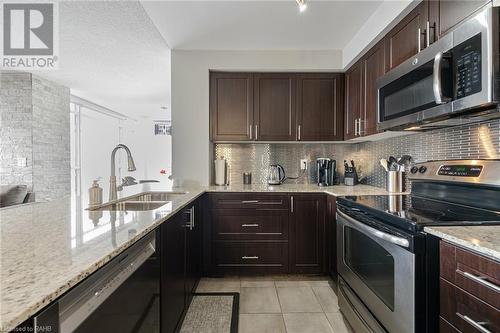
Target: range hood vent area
{"type": "Point", "coordinates": [460, 119]}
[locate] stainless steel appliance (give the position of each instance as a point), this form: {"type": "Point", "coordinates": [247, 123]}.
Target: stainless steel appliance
{"type": "Point", "coordinates": [387, 265]}
{"type": "Point", "coordinates": [276, 175]}
{"type": "Point", "coordinates": [325, 171]}
{"type": "Point", "coordinates": [456, 75]}
{"type": "Point", "coordinates": [122, 296]}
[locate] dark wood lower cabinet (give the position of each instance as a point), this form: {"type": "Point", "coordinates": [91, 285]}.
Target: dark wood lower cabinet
{"type": "Point", "coordinates": [469, 301]}
{"type": "Point", "coordinates": [269, 234]}
{"type": "Point", "coordinates": [181, 265]}
{"type": "Point", "coordinates": [331, 241]}
{"type": "Point", "coordinates": [307, 233]}
{"type": "Point", "coordinates": [173, 300]}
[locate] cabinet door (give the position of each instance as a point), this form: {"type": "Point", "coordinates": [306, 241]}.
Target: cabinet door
{"type": "Point", "coordinates": [319, 107]}
{"type": "Point", "coordinates": [353, 99]}
{"type": "Point", "coordinates": [274, 107]}
{"type": "Point", "coordinates": [308, 233]}
{"type": "Point", "coordinates": [173, 271]}
{"type": "Point", "coordinates": [231, 106]}
{"type": "Point", "coordinates": [331, 242]}
{"type": "Point", "coordinates": [373, 68]}
{"type": "Point", "coordinates": [193, 251]}
{"type": "Point", "coordinates": [445, 14]}
{"type": "Point", "coordinates": [403, 40]}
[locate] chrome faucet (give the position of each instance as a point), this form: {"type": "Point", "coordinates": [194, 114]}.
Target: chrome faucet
{"type": "Point", "coordinates": [112, 179]}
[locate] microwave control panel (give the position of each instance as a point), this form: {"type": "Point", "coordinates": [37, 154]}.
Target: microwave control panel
{"type": "Point", "coordinates": [467, 57]}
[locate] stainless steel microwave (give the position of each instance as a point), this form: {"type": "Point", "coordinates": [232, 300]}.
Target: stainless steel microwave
{"type": "Point", "coordinates": [452, 81]}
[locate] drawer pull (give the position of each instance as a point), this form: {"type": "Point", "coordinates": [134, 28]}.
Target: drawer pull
{"type": "Point", "coordinates": [477, 325]}
{"type": "Point", "coordinates": [249, 257]}
{"type": "Point", "coordinates": [250, 225]}
{"type": "Point", "coordinates": [480, 280]}
{"type": "Point", "coordinates": [249, 201]}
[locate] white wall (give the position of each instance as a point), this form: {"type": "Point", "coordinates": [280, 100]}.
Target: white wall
{"type": "Point", "coordinates": [190, 98]}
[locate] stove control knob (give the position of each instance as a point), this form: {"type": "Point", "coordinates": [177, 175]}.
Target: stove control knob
{"type": "Point", "coordinates": [414, 169]}
{"type": "Point", "coordinates": [422, 169]}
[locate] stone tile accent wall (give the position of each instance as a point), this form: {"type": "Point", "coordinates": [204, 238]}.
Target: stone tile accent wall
{"type": "Point", "coordinates": [34, 117]}
{"type": "Point", "coordinates": [51, 140]}
{"type": "Point", "coordinates": [480, 140]}
{"type": "Point", "coordinates": [15, 128]}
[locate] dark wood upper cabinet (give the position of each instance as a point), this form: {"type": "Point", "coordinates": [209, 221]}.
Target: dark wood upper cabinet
{"type": "Point", "coordinates": [307, 233]}
{"type": "Point", "coordinates": [319, 107]}
{"type": "Point", "coordinates": [353, 100]}
{"type": "Point", "coordinates": [374, 66]}
{"type": "Point", "coordinates": [231, 106]}
{"type": "Point", "coordinates": [404, 39]}
{"type": "Point", "coordinates": [445, 14]}
{"type": "Point", "coordinates": [274, 107]}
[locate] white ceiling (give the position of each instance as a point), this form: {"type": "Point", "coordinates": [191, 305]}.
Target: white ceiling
{"type": "Point", "coordinates": [117, 53]}
{"type": "Point", "coordinates": [259, 25]}
{"type": "Point", "coordinates": [112, 54]}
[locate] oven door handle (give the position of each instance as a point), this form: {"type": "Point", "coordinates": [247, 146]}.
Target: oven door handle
{"type": "Point", "coordinates": [374, 232]}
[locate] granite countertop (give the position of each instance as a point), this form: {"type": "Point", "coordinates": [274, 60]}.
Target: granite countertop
{"type": "Point", "coordinates": [484, 240]}
{"type": "Point", "coordinates": [47, 248]}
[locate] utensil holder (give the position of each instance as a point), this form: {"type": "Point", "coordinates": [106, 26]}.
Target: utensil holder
{"type": "Point", "coordinates": [394, 181]}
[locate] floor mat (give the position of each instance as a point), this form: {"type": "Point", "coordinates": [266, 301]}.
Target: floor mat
{"type": "Point", "coordinates": [212, 313]}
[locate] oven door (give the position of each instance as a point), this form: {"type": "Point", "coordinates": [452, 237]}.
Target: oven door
{"type": "Point", "coordinates": [380, 269]}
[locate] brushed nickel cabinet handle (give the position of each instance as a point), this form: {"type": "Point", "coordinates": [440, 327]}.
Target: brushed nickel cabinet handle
{"type": "Point", "coordinates": [481, 280]}
{"type": "Point", "coordinates": [419, 33]}
{"type": "Point", "coordinates": [299, 133]}
{"type": "Point", "coordinates": [427, 34]}
{"type": "Point", "coordinates": [250, 225]}
{"type": "Point", "coordinates": [251, 132]}
{"type": "Point", "coordinates": [477, 325]}
{"type": "Point", "coordinates": [249, 257]}
{"type": "Point", "coordinates": [249, 201]}
{"type": "Point", "coordinates": [256, 132]}
{"type": "Point", "coordinates": [291, 204]}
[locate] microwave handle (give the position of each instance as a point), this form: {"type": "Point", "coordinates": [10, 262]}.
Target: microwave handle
{"type": "Point", "coordinates": [436, 80]}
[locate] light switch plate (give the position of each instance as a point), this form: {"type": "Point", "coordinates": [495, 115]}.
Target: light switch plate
{"type": "Point", "coordinates": [22, 162]}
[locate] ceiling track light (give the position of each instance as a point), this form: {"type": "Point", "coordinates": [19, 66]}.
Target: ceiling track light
{"type": "Point", "coordinates": [302, 5]}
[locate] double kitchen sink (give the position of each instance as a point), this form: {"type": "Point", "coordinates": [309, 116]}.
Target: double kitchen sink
{"type": "Point", "coordinates": [140, 202]}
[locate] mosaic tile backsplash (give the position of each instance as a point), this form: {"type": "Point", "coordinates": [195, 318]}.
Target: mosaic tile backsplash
{"type": "Point", "coordinates": [480, 140]}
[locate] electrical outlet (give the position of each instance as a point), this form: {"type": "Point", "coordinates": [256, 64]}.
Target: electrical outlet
{"type": "Point", "coordinates": [303, 164]}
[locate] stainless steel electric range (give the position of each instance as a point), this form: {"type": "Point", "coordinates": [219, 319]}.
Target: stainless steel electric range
{"type": "Point", "coordinates": [387, 265]}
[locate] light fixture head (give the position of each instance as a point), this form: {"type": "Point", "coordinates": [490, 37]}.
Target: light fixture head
{"type": "Point", "coordinates": [302, 5]}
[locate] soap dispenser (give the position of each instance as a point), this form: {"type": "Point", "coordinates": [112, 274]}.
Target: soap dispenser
{"type": "Point", "coordinates": [95, 194]}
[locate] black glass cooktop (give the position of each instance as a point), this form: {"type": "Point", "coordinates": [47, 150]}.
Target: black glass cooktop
{"type": "Point", "coordinates": [413, 213]}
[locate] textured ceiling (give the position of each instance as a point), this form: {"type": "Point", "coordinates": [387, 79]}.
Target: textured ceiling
{"type": "Point", "coordinates": [112, 54]}
{"type": "Point", "coordinates": [259, 25]}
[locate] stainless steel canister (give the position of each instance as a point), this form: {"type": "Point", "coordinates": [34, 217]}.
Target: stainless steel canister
{"type": "Point", "coordinates": [394, 181]}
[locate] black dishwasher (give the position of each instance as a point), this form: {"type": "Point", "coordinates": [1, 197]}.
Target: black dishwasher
{"type": "Point", "coordinates": [123, 296]}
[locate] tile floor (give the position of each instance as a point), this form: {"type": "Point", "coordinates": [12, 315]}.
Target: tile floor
{"type": "Point", "coordinates": [282, 304]}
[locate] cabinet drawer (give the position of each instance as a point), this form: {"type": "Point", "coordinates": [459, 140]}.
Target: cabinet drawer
{"type": "Point", "coordinates": [446, 327]}
{"type": "Point", "coordinates": [249, 200]}
{"type": "Point", "coordinates": [249, 224]}
{"type": "Point", "coordinates": [475, 274]}
{"type": "Point", "coordinates": [464, 310]}
{"type": "Point", "coordinates": [258, 257]}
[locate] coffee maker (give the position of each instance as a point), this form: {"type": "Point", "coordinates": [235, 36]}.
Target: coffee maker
{"type": "Point", "coordinates": [326, 171]}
